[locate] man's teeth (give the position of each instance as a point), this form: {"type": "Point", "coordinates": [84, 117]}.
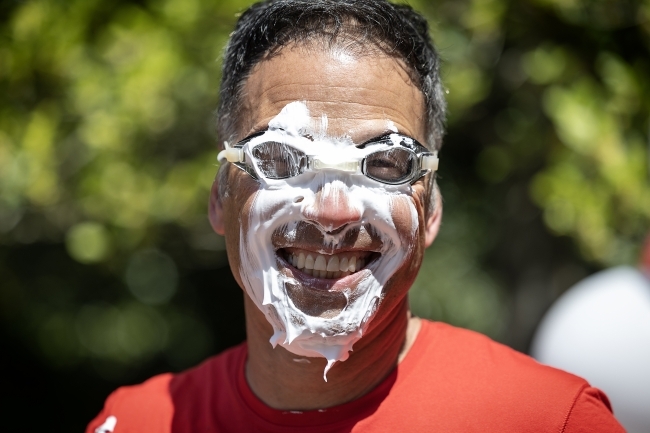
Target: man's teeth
{"type": "Point", "coordinates": [318, 265]}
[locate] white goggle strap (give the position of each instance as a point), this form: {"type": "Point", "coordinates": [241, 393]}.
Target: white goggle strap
{"type": "Point", "coordinates": [430, 162]}
{"type": "Point", "coordinates": [231, 154]}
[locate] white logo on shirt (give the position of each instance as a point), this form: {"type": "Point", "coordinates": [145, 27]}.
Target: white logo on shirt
{"type": "Point", "coordinates": [108, 426]}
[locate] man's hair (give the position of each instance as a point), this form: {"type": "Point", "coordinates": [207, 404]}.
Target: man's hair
{"type": "Point", "coordinates": [396, 30]}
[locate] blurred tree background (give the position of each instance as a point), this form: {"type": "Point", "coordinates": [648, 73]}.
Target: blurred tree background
{"type": "Point", "coordinates": [109, 271]}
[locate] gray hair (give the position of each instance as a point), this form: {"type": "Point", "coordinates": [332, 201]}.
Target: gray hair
{"type": "Point", "coordinates": [266, 27]}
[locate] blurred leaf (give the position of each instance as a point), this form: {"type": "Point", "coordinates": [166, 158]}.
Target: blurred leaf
{"type": "Point", "coordinates": [88, 242]}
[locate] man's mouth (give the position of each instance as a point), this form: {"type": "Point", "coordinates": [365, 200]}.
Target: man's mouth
{"type": "Point", "coordinates": [330, 266]}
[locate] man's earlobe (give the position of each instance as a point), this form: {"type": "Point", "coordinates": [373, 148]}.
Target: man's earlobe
{"type": "Point", "coordinates": [432, 223]}
{"type": "Point", "coordinates": [215, 209]}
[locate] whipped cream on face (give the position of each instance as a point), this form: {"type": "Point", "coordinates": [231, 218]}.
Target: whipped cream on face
{"type": "Point", "coordinates": [280, 205]}
{"type": "Point", "coordinates": [391, 126]}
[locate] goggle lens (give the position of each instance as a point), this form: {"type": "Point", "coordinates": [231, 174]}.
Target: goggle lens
{"type": "Point", "coordinates": [391, 166]}
{"type": "Point", "coordinates": [279, 161]}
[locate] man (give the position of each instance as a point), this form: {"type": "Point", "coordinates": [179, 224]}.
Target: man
{"type": "Point", "coordinates": [327, 200]}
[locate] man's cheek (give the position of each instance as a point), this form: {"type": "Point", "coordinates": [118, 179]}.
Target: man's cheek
{"type": "Point", "coordinates": [405, 218]}
{"type": "Point", "coordinates": [276, 205]}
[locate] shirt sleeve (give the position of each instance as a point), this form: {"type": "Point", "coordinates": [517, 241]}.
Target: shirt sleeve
{"type": "Point", "coordinates": [592, 413]}
{"type": "Point", "coordinates": [104, 422]}
{"type": "Point", "coordinates": [135, 409]}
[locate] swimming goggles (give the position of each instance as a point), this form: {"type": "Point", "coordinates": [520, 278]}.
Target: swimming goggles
{"type": "Point", "coordinates": [398, 159]}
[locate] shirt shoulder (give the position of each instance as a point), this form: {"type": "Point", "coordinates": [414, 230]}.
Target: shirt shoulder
{"type": "Point", "coordinates": [455, 372]}
{"type": "Point", "coordinates": [478, 356]}
{"type": "Point", "coordinates": [170, 402]}
{"type": "Point", "coordinates": [130, 409]}
{"type": "Point", "coordinates": [452, 347]}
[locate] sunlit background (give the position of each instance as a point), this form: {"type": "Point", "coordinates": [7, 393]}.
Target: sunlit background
{"type": "Point", "coordinates": [109, 270]}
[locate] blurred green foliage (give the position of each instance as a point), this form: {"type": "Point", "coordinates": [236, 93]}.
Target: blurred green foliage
{"type": "Point", "coordinates": [105, 137]}
{"type": "Point", "coordinates": [106, 140]}
{"type": "Point", "coordinates": [568, 109]}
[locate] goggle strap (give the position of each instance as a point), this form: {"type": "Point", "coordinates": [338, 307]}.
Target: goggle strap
{"type": "Point", "coordinates": [231, 154]}
{"type": "Point", "coordinates": [430, 162]}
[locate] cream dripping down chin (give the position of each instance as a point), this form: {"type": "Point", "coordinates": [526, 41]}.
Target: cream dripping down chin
{"type": "Point", "coordinates": [318, 285]}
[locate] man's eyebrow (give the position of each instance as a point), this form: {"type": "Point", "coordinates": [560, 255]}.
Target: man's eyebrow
{"type": "Point", "coordinates": [262, 129]}
{"type": "Point", "coordinates": [253, 135]}
{"type": "Point", "coordinates": [381, 135]}
{"type": "Point", "coordinates": [259, 129]}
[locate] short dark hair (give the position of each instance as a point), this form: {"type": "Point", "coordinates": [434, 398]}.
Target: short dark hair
{"type": "Point", "coordinates": [267, 26]}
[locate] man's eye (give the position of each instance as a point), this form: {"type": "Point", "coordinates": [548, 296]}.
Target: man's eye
{"type": "Point", "coordinates": [279, 161]}
{"type": "Point", "coordinates": [393, 165]}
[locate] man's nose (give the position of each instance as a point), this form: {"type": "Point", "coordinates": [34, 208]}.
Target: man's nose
{"type": "Point", "coordinates": [332, 207]}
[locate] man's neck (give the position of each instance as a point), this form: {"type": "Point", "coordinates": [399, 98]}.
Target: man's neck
{"type": "Point", "coordinates": [286, 381]}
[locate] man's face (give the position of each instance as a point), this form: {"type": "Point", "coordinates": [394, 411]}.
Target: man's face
{"type": "Point", "coordinates": [373, 234]}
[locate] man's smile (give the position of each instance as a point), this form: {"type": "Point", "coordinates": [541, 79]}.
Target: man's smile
{"type": "Point", "coordinates": [306, 255]}
{"type": "Point", "coordinates": [330, 266]}
{"type": "Point", "coordinates": [316, 283]}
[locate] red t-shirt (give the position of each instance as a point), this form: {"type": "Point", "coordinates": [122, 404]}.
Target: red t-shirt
{"type": "Point", "coordinates": [452, 380]}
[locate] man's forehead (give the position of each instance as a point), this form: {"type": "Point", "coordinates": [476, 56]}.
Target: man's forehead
{"type": "Point", "coordinates": [359, 96]}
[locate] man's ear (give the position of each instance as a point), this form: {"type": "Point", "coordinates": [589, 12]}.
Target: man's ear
{"type": "Point", "coordinates": [432, 224]}
{"type": "Point", "coordinates": [215, 209]}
